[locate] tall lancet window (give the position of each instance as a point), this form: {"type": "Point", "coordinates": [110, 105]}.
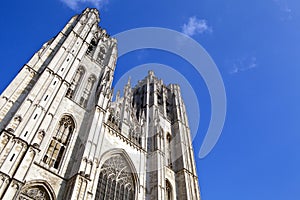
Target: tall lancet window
{"type": "Point", "coordinates": [59, 142]}
{"type": "Point", "coordinates": [92, 47]}
{"type": "Point", "coordinates": [116, 180]}
{"type": "Point", "coordinates": [101, 55]}
{"type": "Point", "coordinates": [87, 91]}
{"type": "Point", "coordinates": [169, 150]}
{"type": "Point", "coordinates": [75, 82]}
{"type": "Point", "coordinates": [168, 191]}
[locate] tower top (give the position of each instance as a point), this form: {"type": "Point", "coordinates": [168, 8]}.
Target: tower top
{"type": "Point", "coordinates": [94, 11]}
{"type": "Point", "coordinates": [151, 73]}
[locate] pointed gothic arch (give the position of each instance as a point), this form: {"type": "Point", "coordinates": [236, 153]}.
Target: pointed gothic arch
{"type": "Point", "coordinates": [37, 189]}
{"type": "Point", "coordinates": [169, 150]}
{"type": "Point", "coordinates": [59, 142]}
{"type": "Point", "coordinates": [168, 191]}
{"type": "Point", "coordinates": [76, 81]}
{"type": "Point", "coordinates": [101, 54]}
{"type": "Point", "coordinates": [118, 178]}
{"type": "Point", "coordinates": [92, 47]}
{"type": "Point", "coordinates": [84, 99]}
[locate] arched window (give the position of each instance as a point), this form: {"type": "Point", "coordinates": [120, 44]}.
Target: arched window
{"type": "Point", "coordinates": [75, 82]}
{"type": "Point", "coordinates": [87, 91]}
{"type": "Point", "coordinates": [168, 150]}
{"type": "Point", "coordinates": [59, 142]}
{"type": "Point", "coordinates": [116, 180]}
{"type": "Point", "coordinates": [37, 190]}
{"type": "Point", "coordinates": [168, 191]}
{"type": "Point", "coordinates": [101, 55]}
{"type": "Point", "coordinates": [34, 193]}
{"type": "Point", "coordinates": [91, 49]}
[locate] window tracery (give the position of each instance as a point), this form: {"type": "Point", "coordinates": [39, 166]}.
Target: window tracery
{"type": "Point", "coordinates": [115, 180]}
{"type": "Point", "coordinates": [87, 91]}
{"type": "Point", "coordinates": [101, 55]}
{"type": "Point", "coordinates": [59, 142]}
{"type": "Point", "coordinates": [35, 192]}
{"type": "Point", "coordinates": [75, 82]}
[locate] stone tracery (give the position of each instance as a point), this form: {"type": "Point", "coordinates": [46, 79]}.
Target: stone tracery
{"type": "Point", "coordinates": [35, 192]}
{"type": "Point", "coordinates": [116, 180]}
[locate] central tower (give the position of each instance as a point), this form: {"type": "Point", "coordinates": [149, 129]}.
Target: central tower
{"type": "Point", "coordinates": [62, 136]}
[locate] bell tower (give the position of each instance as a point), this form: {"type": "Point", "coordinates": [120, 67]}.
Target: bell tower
{"type": "Point", "coordinates": [171, 172]}
{"type": "Point", "coordinates": [46, 109]}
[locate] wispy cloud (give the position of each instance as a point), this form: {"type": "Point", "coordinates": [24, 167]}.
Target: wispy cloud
{"type": "Point", "coordinates": [285, 9]}
{"type": "Point", "coordinates": [195, 26]}
{"type": "Point", "coordinates": [77, 4]}
{"type": "Point", "coordinates": [243, 64]}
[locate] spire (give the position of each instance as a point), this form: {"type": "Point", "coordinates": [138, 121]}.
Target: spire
{"type": "Point", "coordinates": [127, 88]}
{"type": "Point", "coordinates": [129, 82]}
{"type": "Point", "coordinates": [151, 73]}
{"type": "Point", "coordinates": [118, 95]}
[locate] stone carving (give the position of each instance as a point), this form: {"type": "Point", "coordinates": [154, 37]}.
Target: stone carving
{"type": "Point", "coordinates": [35, 192]}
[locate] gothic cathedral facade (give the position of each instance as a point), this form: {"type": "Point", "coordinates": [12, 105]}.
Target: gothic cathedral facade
{"type": "Point", "coordinates": [62, 136]}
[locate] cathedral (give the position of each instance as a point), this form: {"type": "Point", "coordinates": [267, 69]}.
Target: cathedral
{"type": "Point", "coordinates": [62, 136]}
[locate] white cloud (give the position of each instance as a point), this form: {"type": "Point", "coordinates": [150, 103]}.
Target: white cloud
{"type": "Point", "coordinates": [76, 4]}
{"type": "Point", "coordinates": [195, 26]}
{"type": "Point", "coordinates": [243, 64]}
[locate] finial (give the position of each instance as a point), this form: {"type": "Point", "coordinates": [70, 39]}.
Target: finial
{"type": "Point", "coordinates": [118, 95]}
{"type": "Point", "coordinates": [127, 87]}
{"type": "Point", "coordinates": [150, 73]}
{"type": "Point", "coordinates": [129, 81]}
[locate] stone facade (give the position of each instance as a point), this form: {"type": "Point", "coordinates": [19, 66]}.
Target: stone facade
{"type": "Point", "coordinates": [62, 136]}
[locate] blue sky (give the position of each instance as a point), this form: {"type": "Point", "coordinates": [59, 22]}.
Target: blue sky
{"type": "Point", "coordinates": [255, 45]}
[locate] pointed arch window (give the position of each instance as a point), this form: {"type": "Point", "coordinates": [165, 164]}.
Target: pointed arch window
{"type": "Point", "coordinates": [75, 82]}
{"type": "Point", "coordinates": [36, 190]}
{"type": "Point", "coordinates": [169, 150]}
{"type": "Point", "coordinates": [59, 142]}
{"type": "Point", "coordinates": [116, 180]}
{"type": "Point", "coordinates": [101, 55]}
{"type": "Point", "coordinates": [92, 47]}
{"type": "Point", "coordinates": [34, 193]}
{"type": "Point", "coordinates": [168, 191]}
{"type": "Point", "coordinates": [87, 91]}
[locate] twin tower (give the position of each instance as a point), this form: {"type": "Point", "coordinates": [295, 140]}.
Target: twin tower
{"type": "Point", "coordinates": [62, 136]}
